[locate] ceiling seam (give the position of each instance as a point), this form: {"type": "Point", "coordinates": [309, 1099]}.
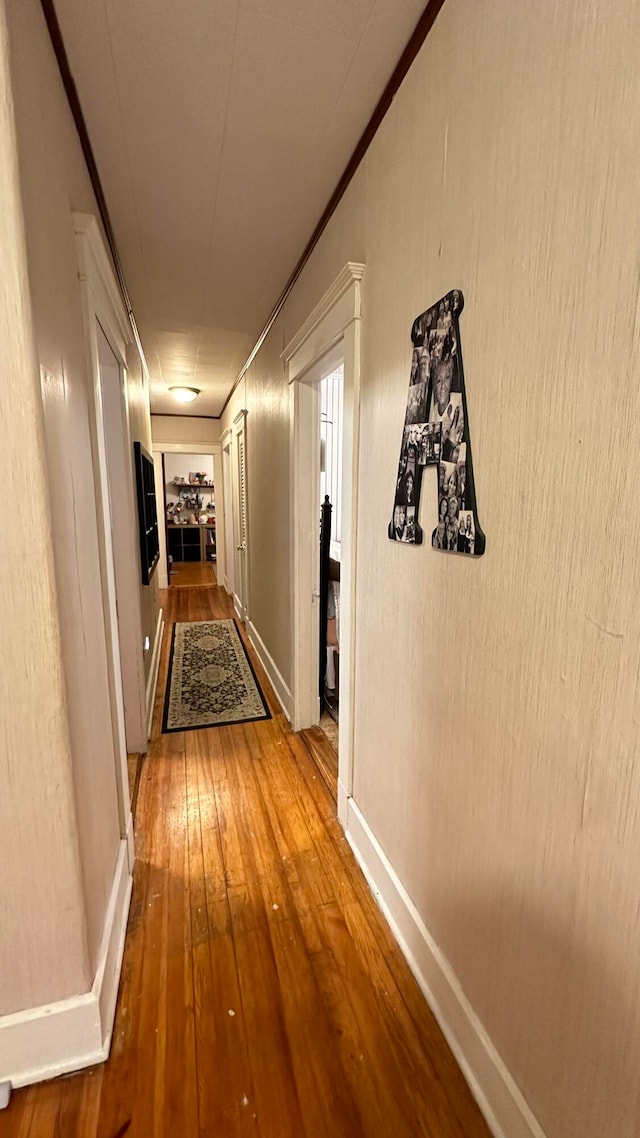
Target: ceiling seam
{"type": "Point", "coordinates": [319, 148]}
{"type": "Point", "coordinates": [218, 179]}
{"type": "Point", "coordinates": [75, 107]}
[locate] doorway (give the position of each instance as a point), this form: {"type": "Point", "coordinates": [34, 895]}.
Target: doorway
{"type": "Point", "coordinates": [240, 516]}
{"type": "Point", "coordinates": [330, 548]}
{"type": "Point", "coordinates": [328, 339]}
{"type": "Point", "coordinates": [190, 518]}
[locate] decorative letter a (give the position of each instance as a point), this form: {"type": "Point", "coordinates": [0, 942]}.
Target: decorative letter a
{"type": "Point", "coordinates": [436, 432]}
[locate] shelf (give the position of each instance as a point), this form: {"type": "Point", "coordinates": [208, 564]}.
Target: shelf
{"type": "Point", "coordinates": [192, 485]}
{"type": "Point", "coordinates": [185, 543]}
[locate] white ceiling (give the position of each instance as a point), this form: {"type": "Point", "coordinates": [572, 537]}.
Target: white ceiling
{"type": "Point", "coordinates": [220, 129]}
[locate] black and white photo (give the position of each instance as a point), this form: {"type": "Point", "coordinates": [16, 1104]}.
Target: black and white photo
{"type": "Point", "coordinates": [417, 402]}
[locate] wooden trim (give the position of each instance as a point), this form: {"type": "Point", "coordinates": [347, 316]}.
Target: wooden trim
{"type": "Point", "coordinates": [352, 271]}
{"type": "Point", "coordinates": [418, 36]}
{"type": "Point", "coordinates": [186, 448]}
{"type": "Point", "coordinates": [75, 107]}
{"type": "Point", "coordinates": [152, 682]}
{"type": "Point", "coordinates": [179, 415]}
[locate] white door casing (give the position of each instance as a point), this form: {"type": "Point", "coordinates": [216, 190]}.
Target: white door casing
{"type": "Point", "coordinates": [331, 331]}
{"type": "Point", "coordinates": [101, 302]}
{"type": "Point", "coordinates": [227, 507]}
{"type": "Point", "coordinates": [159, 449]}
{"type": "Point", "coordinates": [124, 539]}
{"type": "Point", "coordinates": [240, 516]}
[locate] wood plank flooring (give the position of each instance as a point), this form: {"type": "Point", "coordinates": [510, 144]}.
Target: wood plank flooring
{"type": "Point", "coordinates": [186, 574]}
{"type": "Point", "coordinates": [325, 757]}
{"type": "Point", "coordinates": [262, 992]}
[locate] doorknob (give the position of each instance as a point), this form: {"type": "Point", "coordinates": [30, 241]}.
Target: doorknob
{"type": "Point", "coordinates": [315, 594]}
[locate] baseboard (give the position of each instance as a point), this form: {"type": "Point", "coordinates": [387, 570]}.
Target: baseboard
{"type": "Point", "coordinates": [284, 696]}
{"type": "Point", "coordinates": [41, 1043]}
{"type": "Point", "coordinates": [343, 804]}
{"type": "Point", "coordinates": [131, 849]}
{"type": "Point", "coordinates": [152, 682]}
{"type": "Point", "coordinates": [107, 978]}
{"type": "Point", "coordinates": [501, 1102]}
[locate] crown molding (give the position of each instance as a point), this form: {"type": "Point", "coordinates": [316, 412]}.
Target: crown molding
{"type": "Point", "coordinates": [352, 273]}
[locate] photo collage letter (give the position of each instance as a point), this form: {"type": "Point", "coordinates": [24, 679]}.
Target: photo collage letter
{"type": "Point", "coordinates": [436, 433]}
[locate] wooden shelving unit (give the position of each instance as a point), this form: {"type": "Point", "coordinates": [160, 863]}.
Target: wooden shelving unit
{"type": "Point", "coordinates": [191, 542]}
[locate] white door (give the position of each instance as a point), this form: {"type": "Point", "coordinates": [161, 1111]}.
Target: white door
{"type": "Point", "coordinates": [239, 496]}
{"type": "Point", "coordinates": [108, 369]}
{"type": "Point", "coordinates": [124, 537]}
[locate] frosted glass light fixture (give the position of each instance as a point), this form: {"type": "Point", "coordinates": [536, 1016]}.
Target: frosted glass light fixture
{"type": "Point", "coordinates": [185, 394]}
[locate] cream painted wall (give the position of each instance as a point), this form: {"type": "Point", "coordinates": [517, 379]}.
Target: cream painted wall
{"type": "Point", "coordinates": [496, 717]}
{"type": "Point", "coordinates": [265, 393]}
{"type": "Point", "coordinates": [184, 429]}
{"type": "Point", "coordinates": [43, 953]}
{"type": "Point", "coordinates": [140, 431]}
{"type": "Point", "coordinates": [54, 182]}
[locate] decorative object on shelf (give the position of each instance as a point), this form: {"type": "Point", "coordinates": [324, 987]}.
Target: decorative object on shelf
{"type": "Point", "coordinates": [436, 432]}
{"type": "Point", "coordinates": [147, 516]}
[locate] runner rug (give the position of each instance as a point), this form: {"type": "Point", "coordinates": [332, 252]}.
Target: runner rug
{"type": "Point", "coordinates": [211, 681]}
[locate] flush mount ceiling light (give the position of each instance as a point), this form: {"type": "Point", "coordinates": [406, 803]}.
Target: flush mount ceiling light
{"type": "Point", "coordinates": [185, 394]}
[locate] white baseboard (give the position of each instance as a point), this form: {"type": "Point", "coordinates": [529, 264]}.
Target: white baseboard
{"type": "Point", "coordinates": [501, 1102]}
{"type": "Point", "coordinates": [152, 681]}
{"type": "Point", "coordinates": [131, 849]}
{"type": "Point", "coordinates": [343, 804]}
{"type": "Point", "coordinates": [285, 698]}
{"type": "Point", "coordinates": [41, 1043]}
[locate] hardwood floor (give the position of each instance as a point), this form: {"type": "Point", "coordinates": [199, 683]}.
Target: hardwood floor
{"type": "Point", "coordinates": [185, 574]}
{"type": "Point", "coordinates": [262, 992]}
{"type": "Point", "coordinates": [134, 771]}
{"type": "Point", "coordinates": [325, 757]}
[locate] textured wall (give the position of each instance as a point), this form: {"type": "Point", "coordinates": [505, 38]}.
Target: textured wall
{"type": "Point", "coordinates": [184, 429]}
{"type": "Point", "coordinates": [265, 395]}
{"type": "Point", "coordinates": [54, 183]}
{"type": "Point", "coordinates": [268, 469]}
{"type": "Point", "coordinates": [43, 953]}
{"type": "Point", "coordinates": [140, 431]}
{"type": "Point", "coordinates": [497, 708]}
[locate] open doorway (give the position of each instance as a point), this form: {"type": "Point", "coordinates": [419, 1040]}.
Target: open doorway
{"type": "Point", "coordinates": [328, 339]}
{"type": "Point", "coordinates": [190, 518]}
{"type": "Point", "coordinates": [330, 551]}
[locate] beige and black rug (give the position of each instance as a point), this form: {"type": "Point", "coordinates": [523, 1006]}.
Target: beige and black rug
{"type": "Point", "coordinates": [211, 681]}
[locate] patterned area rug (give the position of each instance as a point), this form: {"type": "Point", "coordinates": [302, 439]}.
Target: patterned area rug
{"type": "Point", "coordinates": [211, 681]}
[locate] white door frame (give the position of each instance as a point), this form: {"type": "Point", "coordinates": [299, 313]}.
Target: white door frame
{"type": "Point", "coordinates": [101, 302]}
{"type": "Point", "coordinates": [158, 449]}
{"type": "Point", "coordinates": [227, 508]}
{"type": "Point", "coordinates": [240, 510]}
{"type": "Point", "coordinates": [333, 325]}
{"type": "Point", "coordinates": [124, 529]}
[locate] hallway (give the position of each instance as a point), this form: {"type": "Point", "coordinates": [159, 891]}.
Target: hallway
{"type": "Point", "coordinates": [262, 993]}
